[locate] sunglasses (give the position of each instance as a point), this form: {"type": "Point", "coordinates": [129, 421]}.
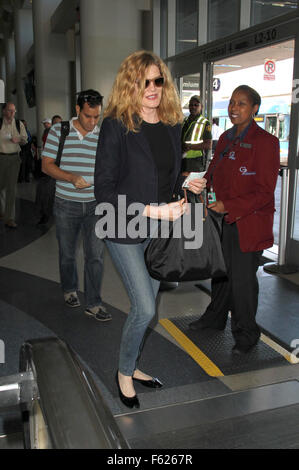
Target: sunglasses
{"type": "Point", "coordinates": [157, 81]}
{"type": "Point", "coordinates": [89, 97]}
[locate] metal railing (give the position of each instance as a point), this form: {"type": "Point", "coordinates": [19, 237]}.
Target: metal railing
{"type": "Point", "coordinates": [281, 267]}
{"type": "Point", "coordinates": [62, 406]}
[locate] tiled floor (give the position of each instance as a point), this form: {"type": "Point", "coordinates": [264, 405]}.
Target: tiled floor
{"type": "Point", "coordinates": [40, 258]}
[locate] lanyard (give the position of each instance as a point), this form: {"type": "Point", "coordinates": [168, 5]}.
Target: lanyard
{"type": "Point", "coordinates": [233, 141]}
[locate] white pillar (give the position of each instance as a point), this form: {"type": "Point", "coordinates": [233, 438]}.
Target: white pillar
{"type": "Point", "coordinates": [78, 60]}
{"type": "Point", "coordinates": [23, 42]}
{"type": "Point", "coordinates": [110, 31]}
{"type": "Point", "coordinates": [51, 65]}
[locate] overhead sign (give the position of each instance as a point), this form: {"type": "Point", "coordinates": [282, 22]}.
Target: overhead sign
{"type": "Point", "coordinates": [248, 42]}
{"type": "Point", "coordinates": [190, 83]}
{"type": "Point", "coordinates": [216, 84]}
{"type": "Point", "coordinates": [269, 69]}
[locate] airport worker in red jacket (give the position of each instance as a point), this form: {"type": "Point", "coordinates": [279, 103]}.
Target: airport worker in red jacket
{"type": "Point", "coordinates": [241, 181]}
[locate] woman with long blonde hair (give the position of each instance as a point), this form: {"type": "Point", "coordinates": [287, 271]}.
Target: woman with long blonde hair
{"type": "Point", "coordinates": [137, 166]}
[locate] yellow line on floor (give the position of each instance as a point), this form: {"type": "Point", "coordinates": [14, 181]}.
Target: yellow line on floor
{"type": "Point", "coordinates": [205, 363]}
{"type": "Point", "coordinates": [286, 354]}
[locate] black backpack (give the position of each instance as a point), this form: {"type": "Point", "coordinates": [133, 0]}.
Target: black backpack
{"type": "Point", "coordinates": [65, 130]}
{"type": "Point", "coordinates": [45, 190]}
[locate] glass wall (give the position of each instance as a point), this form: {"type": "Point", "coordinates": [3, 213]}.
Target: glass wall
{"type": "Point", "coordinates": [186, 25]}
{"type": "Point", "coordinates": [223, 19]}
{"type": "Point", "coordinates": [163, 28]}
{"type": "Point", "coordinates": [265, 10]}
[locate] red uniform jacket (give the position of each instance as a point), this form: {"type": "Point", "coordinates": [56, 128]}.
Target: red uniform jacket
{"type": "Point", "coordinates": [244, 180]}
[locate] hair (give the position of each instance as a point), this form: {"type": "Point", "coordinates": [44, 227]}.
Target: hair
{"type": "Point", "coordinates": [125, 99]}
{"type": "Point", "coordinates": [252, 94]}
{"type": "Point", "coordinates": [56, 116]}
{"type": "Point", "coordinates": [5, 104]}
{"type": "Point", "coordinates": [195, 98]}
{"type": "Point", "coordinates": [92, 97]}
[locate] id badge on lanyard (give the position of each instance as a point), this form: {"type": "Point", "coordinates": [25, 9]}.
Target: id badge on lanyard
{"type": "Point", "coordinates": [211, 196]}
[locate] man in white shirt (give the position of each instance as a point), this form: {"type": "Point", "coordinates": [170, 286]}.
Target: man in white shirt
{"type": "Point", "coordinates": [12, 135]}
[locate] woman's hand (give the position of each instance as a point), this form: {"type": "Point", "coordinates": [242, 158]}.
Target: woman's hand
{"type": "Point", "coordinates": [217, 206]}
{"type": "Point", "coordinates": [196, 186]}
{"type": "Point", "coordinates": [171, 211]}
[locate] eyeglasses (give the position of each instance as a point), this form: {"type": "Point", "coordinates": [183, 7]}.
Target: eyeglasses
{"type": "Point", "coordinates": [157, 81]}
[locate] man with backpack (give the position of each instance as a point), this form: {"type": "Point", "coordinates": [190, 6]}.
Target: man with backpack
{"type": "Point", "coordinates": [75, 203]}
{"type": "Point", "coordinates": [12, 135]}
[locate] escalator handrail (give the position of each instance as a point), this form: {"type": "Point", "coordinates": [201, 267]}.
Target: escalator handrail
{"type": "Point", "coordinates": [72, 405]}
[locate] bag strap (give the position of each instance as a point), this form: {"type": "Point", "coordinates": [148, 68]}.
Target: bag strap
{"type": "Point", "coordinates": [185, 195]}
{"type": "Point", "coordinates": [201, 200]}
{"type": "Point", "coordinates": [18, 125]}
{"type": "Point", "coordinates": [65, 129]}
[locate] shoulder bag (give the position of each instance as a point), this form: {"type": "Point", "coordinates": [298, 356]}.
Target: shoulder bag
{"type": "Point", "coordinates": [173, 258]}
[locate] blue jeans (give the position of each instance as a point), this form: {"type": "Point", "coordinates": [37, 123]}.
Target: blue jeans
{"type": "Point", "coordinates": [72, 218]}
{"type": "Point", "coordinates": [142, 291]}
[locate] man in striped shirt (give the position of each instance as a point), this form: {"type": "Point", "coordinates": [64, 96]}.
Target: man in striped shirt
{"type": "Point", "coordinates": [75, 203]}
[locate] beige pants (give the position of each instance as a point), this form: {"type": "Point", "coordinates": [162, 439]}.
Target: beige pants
{"type": "Point", "coordinates": [9, 171]}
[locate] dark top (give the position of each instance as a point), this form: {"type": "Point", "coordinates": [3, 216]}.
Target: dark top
{"type": "Point", "coordinates": [162, 150]}
{"type": "Point", "coordinates": [125, 167]}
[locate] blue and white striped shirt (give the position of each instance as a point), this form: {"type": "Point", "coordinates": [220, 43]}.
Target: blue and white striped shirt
{"type": "Point", "coordinates": [78, 157]}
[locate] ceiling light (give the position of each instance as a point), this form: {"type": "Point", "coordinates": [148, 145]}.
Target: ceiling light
{"type": "Point", "coordinates": [227, 65]}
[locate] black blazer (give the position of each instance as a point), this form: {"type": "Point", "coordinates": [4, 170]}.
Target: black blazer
{"type": "Point", "coordinates": [125, 166]}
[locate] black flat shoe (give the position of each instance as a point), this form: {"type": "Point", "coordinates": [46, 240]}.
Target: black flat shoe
{"type": "Point", "coordinates": [199, 325]}
{"type": "Point", "coordinates": [196, 325]}
{"type": "Point", "coordinates": [130, 402]}
{"type": "Point", "coordinates": [241, 350]}
{"type": "Point", "coordinates": [152, 383]}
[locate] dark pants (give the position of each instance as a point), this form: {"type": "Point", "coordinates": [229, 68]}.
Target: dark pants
{"type": "Point", "coordinates": [238, 292]}
{"type": "Point", "coordinates": [9, 170]}
{"type": "Point", "coordinates": [26, 163]}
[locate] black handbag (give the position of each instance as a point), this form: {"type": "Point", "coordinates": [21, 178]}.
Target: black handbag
{"type": "Point", "coordinates": [170, 259]}
{"type": "Point", "coordinates": [45, 190]}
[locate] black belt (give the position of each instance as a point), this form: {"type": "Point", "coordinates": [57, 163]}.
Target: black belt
{"type": "Point", "coordinates": [13, 153]}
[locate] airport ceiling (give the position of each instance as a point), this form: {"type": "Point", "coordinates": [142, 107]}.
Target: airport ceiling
{"type": "Point", "coordinates": [281, 51]}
